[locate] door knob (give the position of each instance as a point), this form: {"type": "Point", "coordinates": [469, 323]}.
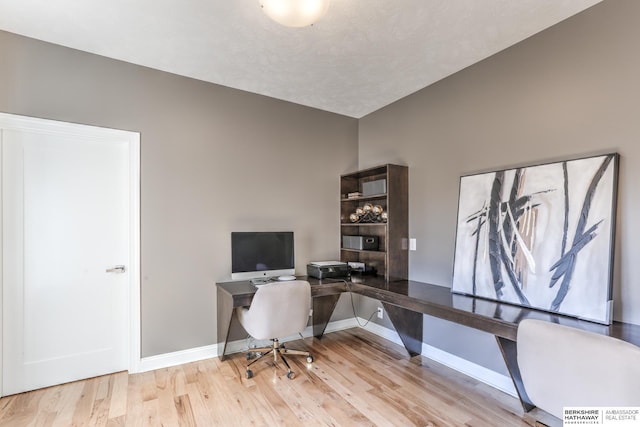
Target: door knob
{"type": "Point", "coordinates": [117, 269]}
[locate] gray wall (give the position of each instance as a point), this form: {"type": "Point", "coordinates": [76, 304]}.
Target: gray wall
{"type": "Point", "coordinates": [216, 159]}
{"type": "Point", "coordinates": [213, 160]}
{"type": "Point", "coordinates": [570, 91]}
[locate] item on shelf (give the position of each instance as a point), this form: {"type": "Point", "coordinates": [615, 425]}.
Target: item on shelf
{"type": "Point", "coordinates": [363, 243]}
{"type": "Point", "coordinates": [357, 266]}
{"type": "Point", "coordinates": [354, 195]}
{"type": "Point", "coordinates": [369, 214]}
{"type": "Point", "coordinates": [371, 188]}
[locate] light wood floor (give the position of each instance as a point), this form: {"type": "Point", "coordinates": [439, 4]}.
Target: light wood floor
{"type": "Point", "coordinates": [357, 379]}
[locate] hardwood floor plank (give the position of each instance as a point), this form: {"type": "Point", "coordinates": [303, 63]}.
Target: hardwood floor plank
{"type": "Point", "coordinates": [149, 389]}
{"type": "Point", "coordinates": [165, 396]}
{"type": "Point", "coordinates": [207, 391]}
{"type": "Point", "coordinates": [49, 400]}
{"type": "Point", "coordinates": [84, 405]}
{"type": "Point", "coordinates": [44, 419]}
{"type": "Point", "coordinates": [150, 416]}
{"type": "Point", "coordinates": [185, 412]}
{"type": "Point", "coordinates": [71, 394]}
{"type": "Point", "coordinates": [117, 421]}
{"type": "Point", "coordinates": [330, 400]}
{"type": "Point", "coordinates": [357, 379]}
{"type": "Point", "coordinates": [177, 380]}
{"type": "Point", "coordinates": [99, 413]}
{"type": "Point", "coordinates": [134, 415]}
{"type": "Point", "coordinates": [357, 397]}
{"type": "Point", "coordinates": [306, 407]}
{"type": "Point", "coordinates": [278, 411]}
{"type": "Point", "coordinates": [10, 412]}
{"type": "Point", "coordinates": [119, 394]}
{"type": "Point", "coordinates": [223, 391]}
{"type": "Point", "coordinates": [201, 415]}
{"type": "Point", "coordinates": [104, 387]}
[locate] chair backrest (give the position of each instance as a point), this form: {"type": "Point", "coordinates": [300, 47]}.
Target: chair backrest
{"type": "Point", "coordinates": [563, 366]}
{"type": "Point", "coordinates": [278, 310]}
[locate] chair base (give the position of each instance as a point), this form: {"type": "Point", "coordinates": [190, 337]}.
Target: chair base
{"type": "Point", "coordinates": [279, 351]}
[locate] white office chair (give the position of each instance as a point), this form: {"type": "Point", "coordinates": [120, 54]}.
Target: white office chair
{"type": "Point", "coordinates": [563, 366]}
{"type": "Point", "coordinates": [278, 310]}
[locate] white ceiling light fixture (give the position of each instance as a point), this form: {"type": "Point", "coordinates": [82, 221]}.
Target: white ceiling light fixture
{"type": "Point", "coordinates": [295, 13]}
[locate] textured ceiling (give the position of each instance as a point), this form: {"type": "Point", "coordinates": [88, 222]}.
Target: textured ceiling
{"type": "Point", "coordinates": [363, 55]}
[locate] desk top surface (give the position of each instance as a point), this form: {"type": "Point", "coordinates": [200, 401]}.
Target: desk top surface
{"type": "Point", "coordinates": [500, 319]}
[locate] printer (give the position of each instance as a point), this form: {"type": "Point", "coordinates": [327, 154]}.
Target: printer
{"type": "Point", "coordinates": [327, 269]}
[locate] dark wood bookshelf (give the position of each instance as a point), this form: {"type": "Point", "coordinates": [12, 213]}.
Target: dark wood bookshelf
{"type": "Point", "coordinates": [391, 260]}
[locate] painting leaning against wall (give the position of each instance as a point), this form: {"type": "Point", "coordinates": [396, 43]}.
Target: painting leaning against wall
{"type": "Point", "coordinates": [540, 236]}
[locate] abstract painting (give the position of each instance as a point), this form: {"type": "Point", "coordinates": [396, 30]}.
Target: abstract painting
{"type": "Point", "coordinates": [540, 236]}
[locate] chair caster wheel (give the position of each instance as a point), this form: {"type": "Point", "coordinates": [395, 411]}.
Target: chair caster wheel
{"type": "Point", "coordinates": [250, 355]}
{"type": "Point", "coordinates": [291, 375]}
{"type": "Point", "coordinates": [309, 359]}
{"type": "Point", "coordinates": [249, 374]}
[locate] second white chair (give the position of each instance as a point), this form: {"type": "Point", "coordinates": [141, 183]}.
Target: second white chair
{"type": "Point", "coordinates": [563, 367]}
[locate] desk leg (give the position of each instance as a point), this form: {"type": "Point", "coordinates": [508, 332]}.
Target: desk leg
{"type": "Point", "coordinates": [322, 310]}
{"type": "Point", "coordinates": [509, 351]}
{"type": "Point", "coordinates": [408, 324]}
{"type": "Point", "coordinates": [225, 314]}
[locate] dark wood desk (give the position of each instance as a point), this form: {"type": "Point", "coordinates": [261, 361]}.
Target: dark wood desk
{"type": "Point", "coordinates": [406, 301]}
{"type": "Point", "coordinates": [239, 294]}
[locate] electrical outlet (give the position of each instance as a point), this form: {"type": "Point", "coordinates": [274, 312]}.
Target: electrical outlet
{"type": "Point", "coordinates": [380, 313]}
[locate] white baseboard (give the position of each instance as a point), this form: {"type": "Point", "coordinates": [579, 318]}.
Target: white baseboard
{"type": "Point", "coordinates": [200, 353]}
{"type": "Point", "coordinates": [341, 325]}
{"type": "Point", "coordinates": [177, 358]}
{"type": "Point", "coordinates": [494, 379]}
{"type": "Point", "coordinates": [473, 370]}
{"type": "Point", "coordinates": [480, 373]}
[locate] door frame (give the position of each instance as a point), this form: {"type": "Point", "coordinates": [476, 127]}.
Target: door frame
{"type": "Point", "coordinates": [17, 122]}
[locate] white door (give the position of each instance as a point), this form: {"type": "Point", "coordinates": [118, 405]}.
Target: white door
{"type": "Point", "coordinates": [66, 253]}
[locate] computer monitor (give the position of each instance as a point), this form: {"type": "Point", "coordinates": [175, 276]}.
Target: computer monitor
{"type": "Point", "coordinates": [257, 254]}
